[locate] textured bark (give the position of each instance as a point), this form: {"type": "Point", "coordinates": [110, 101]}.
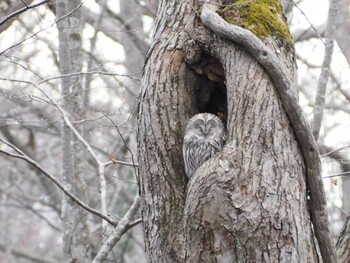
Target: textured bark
{"type": "Point", "coordinates": [76, 245]}
{"type": "Point", "coordinates": [167, 100]}
{"type": "Point", "coordinates": [343, 244]}
{"type": "Point", "coordinates": [248, 203]}
{"type": "Point", "coordinates": [342, 34]}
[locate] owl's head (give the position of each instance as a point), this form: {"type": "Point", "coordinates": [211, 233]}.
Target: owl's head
{"type": "Point", "coordinates": [205, 126]}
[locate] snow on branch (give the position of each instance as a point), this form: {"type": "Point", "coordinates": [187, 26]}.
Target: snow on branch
{"type": "Point", "coordinates": [284, 87]}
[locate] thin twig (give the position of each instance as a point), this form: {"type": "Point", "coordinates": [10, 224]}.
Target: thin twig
{"type": "Point", "coordinates": [345, 174]}
{"type": "Point", "coordinates": [88, 73]}
{"type": "Point", "coordinates": [126, 145]}
{"type": "Point", "coordinates": [335, 150]}
{"type": "Point", "coordinates": [307, 19]}
{"type": "Point", "coordinates": [43, 29]}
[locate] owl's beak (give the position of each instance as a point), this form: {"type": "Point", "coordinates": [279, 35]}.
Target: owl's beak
{"type": "Point", "coordinates": [205, 134]}
{"type": "Point", "coordinates": [205, 131]}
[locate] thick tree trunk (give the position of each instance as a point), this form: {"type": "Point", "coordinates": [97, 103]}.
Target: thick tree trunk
{"type": "Point", "coordinates": [165, 103]}
{"type": "Point", "coordinates": [249, 202]}
{"type": "Point", "coordinates": [76, 242]}
{"type": "Point", "coordinates": [167, 100]}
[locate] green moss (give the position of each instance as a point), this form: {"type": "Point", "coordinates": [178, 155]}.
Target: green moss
{"type": "Point", "coordinates": [264, 18]}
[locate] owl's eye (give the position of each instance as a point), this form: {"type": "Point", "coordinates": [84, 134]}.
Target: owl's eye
{"type": "Point", "coordinates": [211, 124]}
{"type": "Point", "coordinates": [198, 124]}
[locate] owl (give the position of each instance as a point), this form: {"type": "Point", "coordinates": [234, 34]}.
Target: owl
{"type": "Point", "coordinates": [205, 135]}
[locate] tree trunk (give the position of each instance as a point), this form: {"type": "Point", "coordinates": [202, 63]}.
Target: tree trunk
{"type": "Point", "coordinates": [76, 245]}
{"type": "Point", "coordinates": [343, 244]}
{"type": "Point", "coordinates": [249, 202]}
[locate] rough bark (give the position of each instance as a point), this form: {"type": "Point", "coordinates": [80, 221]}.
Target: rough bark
{"type": "Point", "coordinates": [343, 244]}
{"type": "Point", "coordinates": [284, 86]}
{"type": "Point", "coordinates": [166, 103]}
{"type": "Point", "coordinates": [76, 247]}
{"type": "Point", "coordinates": [342, 35]}
{"type": "Point", "coordinates": [249, 203]}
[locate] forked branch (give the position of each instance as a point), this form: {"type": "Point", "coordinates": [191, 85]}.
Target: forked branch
{"type": "Point", "coordinates": [284, 87]}
{"type": "Point", "coordinates": [20, 155]}
{"type": "Point", "coordinates": [124, 224]}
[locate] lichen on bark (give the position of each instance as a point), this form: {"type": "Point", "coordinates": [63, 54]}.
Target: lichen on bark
{"type": "Point", "coordinates": [264, 18]}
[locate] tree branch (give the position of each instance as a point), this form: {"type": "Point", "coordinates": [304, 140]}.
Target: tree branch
{"type": "Point", "coordinates": [27, 255]}
{"type": "Point", "coordinates": [75, 199]}
{"type": "Point", "coordinates": [325, 71]}
{"type": "Point", "coordinates": [283, 85]}
{"type": "Point", "coordinates": [124, 224]}
{"type": "Point", "coordinates": [25, 8]}
{"type": "Point", "coordinates": [41, 30]}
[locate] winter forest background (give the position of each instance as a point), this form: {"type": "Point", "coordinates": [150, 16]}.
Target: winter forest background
{"type": "Point", "coordinates": [101, 102]}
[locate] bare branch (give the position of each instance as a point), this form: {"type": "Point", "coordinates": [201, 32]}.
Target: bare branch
{"type": "Point", "coordinates": [89, 73]}
{"type": "Point", "coordinates": [268, 59]}
{"type": "Point", "coordinates": [345, 174]}
{"type": "Point", "coordinates": [325, 71]}
{"type": "Point", "coordinates": [75, 199]}
{"type": "Point", "coordinates": [114, 161]}
{"type": "Point", "coordinates": [309, 33]}
{"type": "Point", "coordinates": [134, 165]}
{"type": "Point", "coordinates": [27, 255]}
{"type": "Point", "coordinates": [27, 7]}
{"type": "Point", "coordinates": [43, 29]}
{"type": "Point", "coordinates": [124, 224]}
{"type": "Point", "coordinates": [64, 116]}
{"type": "Point", "coordinates": [103, 193]}
{"type": "Point", "coordinates": [100, 164]}
{"type": "Point", "coordinates": [335, 150]}
{"type": "Point", "coordinates": [316, 31]}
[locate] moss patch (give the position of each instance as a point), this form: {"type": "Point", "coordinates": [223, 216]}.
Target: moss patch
{"type": "Point", "coordinates": [264, 18]}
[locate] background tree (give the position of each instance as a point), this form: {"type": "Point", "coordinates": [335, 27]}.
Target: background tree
{"type": "Point", "coordinates": [97, 136]}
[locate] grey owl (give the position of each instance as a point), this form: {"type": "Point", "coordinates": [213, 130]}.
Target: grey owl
{"type": "Point", "coordinates": [205, 135]}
